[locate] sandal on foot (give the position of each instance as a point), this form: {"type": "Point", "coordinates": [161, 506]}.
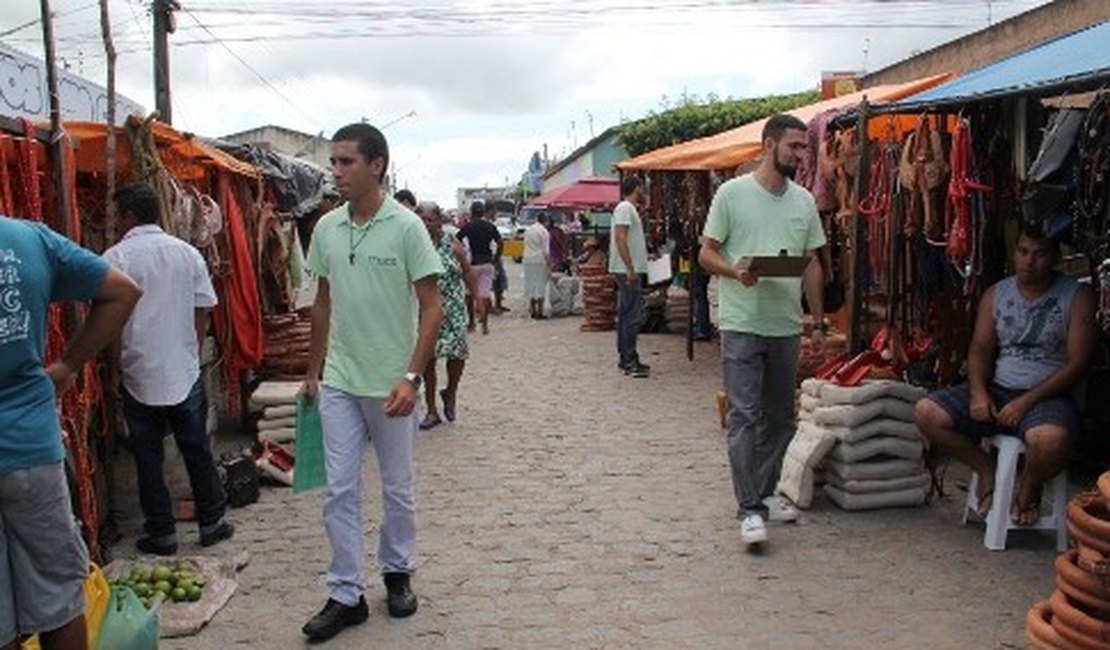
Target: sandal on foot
{"type": "Point", "coordinates": [430, 421]}
{"type": "Point", "coordinates": [1026, 514]}
{"type": "Point", "coordinates": [983, 505]}
{"type": "Point", "coordinates": [448, 408]}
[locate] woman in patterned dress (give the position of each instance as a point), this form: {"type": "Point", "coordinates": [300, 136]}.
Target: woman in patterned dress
{"type": "Point", "coordinates": [451, 343]}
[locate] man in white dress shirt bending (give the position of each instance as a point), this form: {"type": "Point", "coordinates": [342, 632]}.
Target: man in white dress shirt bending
{"type": "Point", "coordinates": [159, 360]}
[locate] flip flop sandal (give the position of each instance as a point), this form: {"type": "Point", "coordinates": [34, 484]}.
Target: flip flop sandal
{"type": "Point", "coordinates": [448, 410]}
{"type": "Point", "coordinates": [984, 503]}
{"type": "Point", "coordinates": [1026, 514]}
{"type": "Point", "coordinates": [430, 422]}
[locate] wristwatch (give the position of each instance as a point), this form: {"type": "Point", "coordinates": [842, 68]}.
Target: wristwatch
{"type": "Point", "coordinates": [415, 379]}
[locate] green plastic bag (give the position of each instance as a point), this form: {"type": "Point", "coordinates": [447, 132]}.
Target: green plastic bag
{"type": "Point", "coordinates": [309, 471]}
{"type": "Point", "coordinates": [127, 625]}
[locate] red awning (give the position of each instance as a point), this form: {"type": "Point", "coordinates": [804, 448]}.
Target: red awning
{"type": "Point", "coordinates": [586, 194]}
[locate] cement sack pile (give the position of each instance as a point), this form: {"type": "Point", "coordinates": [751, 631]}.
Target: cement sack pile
{"type": "Point", "coordinates": [865, 441]}
{"type": "Point", "coordinates": [277, 428]}
{"type": "Point", "coordinates": [277, 402]}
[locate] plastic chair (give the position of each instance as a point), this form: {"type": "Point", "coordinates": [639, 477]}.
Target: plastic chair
{"type": "Point", "coordinates": [1005, 478]}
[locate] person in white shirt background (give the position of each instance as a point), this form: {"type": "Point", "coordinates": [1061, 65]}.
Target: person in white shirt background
{"type": "Point", "coordinates": [537, 270]}
{"type": "Point", "coordinates": [159, 361]}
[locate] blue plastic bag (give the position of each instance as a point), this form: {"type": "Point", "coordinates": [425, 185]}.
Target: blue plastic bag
{"type": "Point", "coordinates": [127, 625]}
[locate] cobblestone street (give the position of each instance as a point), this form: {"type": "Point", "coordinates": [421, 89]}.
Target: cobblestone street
{"type": "Point", "coordinates": [571, 507]}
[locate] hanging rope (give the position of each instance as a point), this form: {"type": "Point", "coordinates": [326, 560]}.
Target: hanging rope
{"type": "Point", "coordinates": [965, 205]}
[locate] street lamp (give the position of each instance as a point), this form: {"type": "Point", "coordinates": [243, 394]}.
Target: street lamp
{"type": "Point", "coordinates": [395, 120]}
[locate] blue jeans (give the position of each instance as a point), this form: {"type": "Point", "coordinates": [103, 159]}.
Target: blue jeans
{"type": "Point", "coordinates": [147, 426]}
{"type": "Point", "coordinates": [630, 317]}
{"type": "Point", "coordinates": [699, 294]}
{"type": "Point", "coordinates": [759, 376]}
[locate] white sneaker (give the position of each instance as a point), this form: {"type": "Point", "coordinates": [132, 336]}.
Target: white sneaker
{"type": "Point", "coordinates": [780, 509]}
{"type": "Point", "coordinates": [752, 529]}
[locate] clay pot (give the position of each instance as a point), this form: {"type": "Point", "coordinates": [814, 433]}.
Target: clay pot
{"type": "Point", "coordinates": [1076, 626]}
{"type": "Point", "coordinates": [1089, 521]}
{"type": "Point", "coordinates": [1039, 630]}
{"type": "Point", "coordinates": [1082, 586]}
{"type": "Point", "coordinates": [1104, 487]}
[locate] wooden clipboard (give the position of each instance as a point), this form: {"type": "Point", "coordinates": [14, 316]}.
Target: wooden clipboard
{"type": "Point", "coordinates": [774, 266]}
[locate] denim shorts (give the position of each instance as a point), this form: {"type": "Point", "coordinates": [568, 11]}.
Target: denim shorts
{"type": "Point", "coordinates": [956, 401]}
{"type": "Point", "coordinates": [43, 560]}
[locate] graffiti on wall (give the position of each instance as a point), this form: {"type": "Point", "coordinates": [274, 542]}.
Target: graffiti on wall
{"type": "Point", "coordinates": [23, 92]}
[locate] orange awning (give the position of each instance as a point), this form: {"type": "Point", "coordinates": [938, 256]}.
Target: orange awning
{"type": "Point", "coordinates": [729, 149]}
{"type": "Point", "coordinates": [182, 153]}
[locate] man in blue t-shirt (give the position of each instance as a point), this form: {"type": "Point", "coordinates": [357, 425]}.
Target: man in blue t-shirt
{"type": "Point", "coordinates": [43, 560]}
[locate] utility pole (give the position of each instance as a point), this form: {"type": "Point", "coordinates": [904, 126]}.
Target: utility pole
{"type": "Point", "coordinates": [163, 27]}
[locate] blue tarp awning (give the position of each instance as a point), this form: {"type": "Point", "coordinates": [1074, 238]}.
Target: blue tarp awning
{"type": "Point", "coordinates": [1076, 62]}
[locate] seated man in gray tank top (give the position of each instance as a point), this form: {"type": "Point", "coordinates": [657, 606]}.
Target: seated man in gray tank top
{"type": "Point", "coordinates": [1033, 340]}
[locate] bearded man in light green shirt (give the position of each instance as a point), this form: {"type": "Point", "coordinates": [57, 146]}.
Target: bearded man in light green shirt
{"type": "Point", "coordinates": [376, 266]}
{"type": "Point", "coordinates": [763, 213]}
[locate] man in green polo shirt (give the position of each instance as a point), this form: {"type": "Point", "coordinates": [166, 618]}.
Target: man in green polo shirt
{"type": "Point", "coordinates": [375, 265]}
{"type": "Point", "coordinates": [763, 213]}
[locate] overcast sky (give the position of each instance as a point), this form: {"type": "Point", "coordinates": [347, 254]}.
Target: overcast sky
{"type": "Point", "coordinates": [490, 81]}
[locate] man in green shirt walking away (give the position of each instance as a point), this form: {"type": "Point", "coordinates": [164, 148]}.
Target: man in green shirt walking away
{"type": "Point", "coordinates": [763, 213]}
{"type": "Point", "coordinates": [373, 258]}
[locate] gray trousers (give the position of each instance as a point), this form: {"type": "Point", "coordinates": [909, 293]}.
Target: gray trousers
{"type": "Point", "coordinates": [351, 424]}
{"type": "Point", "coordinates": [759, 374]}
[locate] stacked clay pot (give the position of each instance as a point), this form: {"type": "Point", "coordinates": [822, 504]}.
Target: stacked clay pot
{"type": "Point", "coordinates": [599, 299]}
{"type": "Point", "coordinates": [1077, 615]}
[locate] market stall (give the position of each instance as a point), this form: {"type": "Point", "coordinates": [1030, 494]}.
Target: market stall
{"type": "Point", "coordinates": [209, 199]}
{"type": "Point", "coordinates": [683, 177]}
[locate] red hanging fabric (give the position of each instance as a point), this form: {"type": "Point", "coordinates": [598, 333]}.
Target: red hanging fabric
{"type": "Point", "coordinates": [240, 320]}
{"type": "Point", "coordinates": [27, 161]}
{"type": "Point", "coordinates": [7, 204]}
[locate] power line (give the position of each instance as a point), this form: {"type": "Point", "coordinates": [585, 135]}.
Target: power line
{"type": "Point", "coordinates": [256, 73]}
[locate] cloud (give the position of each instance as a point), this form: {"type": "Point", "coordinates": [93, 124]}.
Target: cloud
{"type": "Point", "coordinates": [492, 81]}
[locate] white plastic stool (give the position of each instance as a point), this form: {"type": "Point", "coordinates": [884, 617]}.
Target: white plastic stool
{"type": "Point", "coordinates": [1005, 477]}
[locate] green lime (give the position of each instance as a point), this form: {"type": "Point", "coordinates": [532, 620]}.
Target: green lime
{"type": "Point", "coordinates": [142, 590]}
{"type": "Point", "coordinates": [162, 586]}
{"type": "Point", "coordinates": [161, 573]}
{"type": "Point", "coordinates": [145, 574]}
{"type": "Point", "coordinates": [195, 593]}
{"type": "Point", "coordinates": [179, 595]}
{"type": "Point", "coordinates": [200, 580]}
{"type": "Point", "coordinates": [185, 583]}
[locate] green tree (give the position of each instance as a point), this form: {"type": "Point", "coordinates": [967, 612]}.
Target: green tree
{"type": "Point", "coordinates": [693, 118]}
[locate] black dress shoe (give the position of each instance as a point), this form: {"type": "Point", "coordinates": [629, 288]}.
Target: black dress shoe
{"type": "Point", "coordinates": [399, 596]}
{"type": "Point", "coordinates": [334, 618]}
{"type": "Point", "coordinates": [150, 546]}
{"type": "Point", "coordinates": [224, 531]}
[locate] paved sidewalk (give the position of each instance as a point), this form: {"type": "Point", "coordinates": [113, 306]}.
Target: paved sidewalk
{"type": "Point", "coordinates": [572, 507]}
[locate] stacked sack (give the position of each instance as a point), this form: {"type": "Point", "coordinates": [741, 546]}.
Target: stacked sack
{"type": "Point", "coordinates": [277, 428]}
{"type": "Point", "coordinates": [1077, 615]}
{"type": "Point", "coordinates": [865, 441]}
{"type": "Point", "coordinates": [277, 401]}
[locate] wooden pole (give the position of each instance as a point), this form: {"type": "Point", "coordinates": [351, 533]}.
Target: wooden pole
{"type": "Point", "coordinates": [162, 11]}
{"type": "Point", "coordinates": [110, 144]}
{"type": "Point", "coordinates": [858, 236]}
{"type": "Point", "coordinates": [57, 147]}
